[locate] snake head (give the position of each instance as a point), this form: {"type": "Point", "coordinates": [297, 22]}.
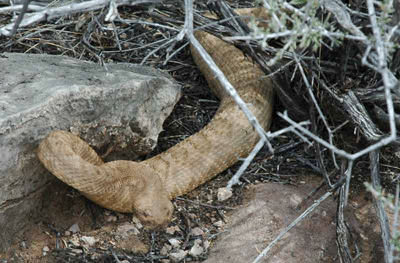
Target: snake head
{"type": "Point", "coordinates": [154, 212]}
{"type": "Point", "coordinates": [151, 203]}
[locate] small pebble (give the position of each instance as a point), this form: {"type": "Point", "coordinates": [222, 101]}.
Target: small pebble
{"type": "Point", "coordinates": [88, 240]}
{"type": "Point", "coordinates": [74, 229]}
{"type": "Point", "coordinates": [206, 244]}
{"type": "Point", "coordinates": [178, 256]}
{"type": "Point", "coordinates": [196, 232]}
{"type": "Point", "coordinates": [197, 249]}
{"type": "Point", "coordinates": [111, 218]}
{"type": "Point", "coordinates": [218, 223]}
{"type": "Point", "coordinates": [139, 225]}
{"type": "Point", "coordinates": [23, 245]}
{"type": "Point", "coordinates": [165, 249]}
{"type": "Point", "coordinates": [45, 249]}
{"type": "Point", "coordinates": [126, 230]}
{"type": "Point", "coordinates": [172, 229]}
{"type": "Point", "coordinates": [174, 242]}
{"type": "Point", "coordinates": [135, 220]}
{"type": "Point", "coordinates": [224, 193]}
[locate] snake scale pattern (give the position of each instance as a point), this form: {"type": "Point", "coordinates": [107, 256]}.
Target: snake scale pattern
{"type": "Point", "coordinates": [147, 187]}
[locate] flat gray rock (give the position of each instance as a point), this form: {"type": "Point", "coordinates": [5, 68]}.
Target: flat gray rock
{"type": "Point", "coordinates": [270, 209]}
{"type": "Point", "coordinates": [117, 108]}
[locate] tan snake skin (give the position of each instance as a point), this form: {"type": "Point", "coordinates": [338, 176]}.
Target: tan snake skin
{"type": "Point", "coordinates": [146, 188]}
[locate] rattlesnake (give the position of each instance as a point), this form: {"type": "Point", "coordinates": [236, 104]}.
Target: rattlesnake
{"type": "Point", "coordinates": [147, 187]}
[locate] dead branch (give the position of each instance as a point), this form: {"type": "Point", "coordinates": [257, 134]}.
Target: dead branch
{"type": "Point", "coordinates": [379, 206]}
{"type": "Point", "coordinates": [50, 13]}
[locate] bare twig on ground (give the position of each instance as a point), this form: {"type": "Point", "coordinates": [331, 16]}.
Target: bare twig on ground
{"type": "Point", "coordinates": [342, 230]}
{"type": "Point", "coordinates": [379, 206]}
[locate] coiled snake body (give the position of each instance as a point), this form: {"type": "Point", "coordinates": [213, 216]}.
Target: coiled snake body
{"type": "Point", "coordinates": [147, 187]}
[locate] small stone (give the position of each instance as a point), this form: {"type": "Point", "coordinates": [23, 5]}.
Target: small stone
{"type": "Point", "coordinates": [197, 249]}
{"type": "Point", "coordinates": [126, 230]}
{"type": "Point", "coordinates": [206, 244]}
{"type": "Point", "coordinates": [45, 249]}
{"type": "Point", "coordinates": [174, 242]}
{"type": "Point", "coordinates": [74, 229]}
{"type": "Point", "coordinates": [135, 220]}
{"type": "Point", "coordinates": [224, 193]}
{"type": "Point", "coordinates": [133, 245]}
{"type": "Point", "coordinates": [218, 224]}
{"type": "Point", "coordinates": [89, 240]}
{"type": "Point", "coordinates": [111, 218]}
{"type": "Point", "coordinates": [178, 255]}
{"type": "Point", "coordinates": [67, 233]}
{"type": "Point", "coordinates": [23, 245]}
{"type": "Point", "coordinates": [172, 229]}
{"type": "Point", "coordinates": [165, 249]}
{"type": "Point", "coordinates": [196, 232]}
{"type": "Point", "coordinates": [139, 225]}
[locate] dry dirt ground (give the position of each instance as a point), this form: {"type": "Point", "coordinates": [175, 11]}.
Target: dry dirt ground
{"type": "Point", "coordinates": [72, 229]}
